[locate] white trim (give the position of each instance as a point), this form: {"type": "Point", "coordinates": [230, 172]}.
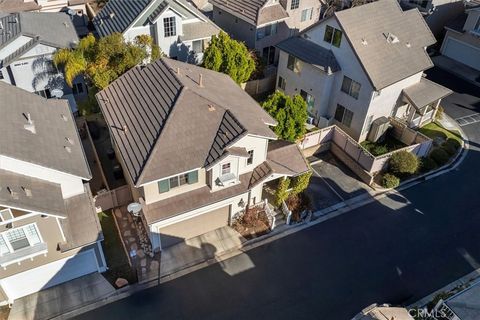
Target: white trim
{"type": "Point", "coordinates": [134, 22]}
{"type": "Point", "coordinates": [6, 210]}
{"type": "Point", "coordinates": [168, 177]}
{"type": "Point", "coordinates": [461, 42]}
{"type": "Point", "coordinates": [7, 242]}
{"type": "Point", "coordinates": [30, 256]}
{"type": "Point", "coordinates": [28, 215]}
{"type": "Point", "coordinates": [61, 230]}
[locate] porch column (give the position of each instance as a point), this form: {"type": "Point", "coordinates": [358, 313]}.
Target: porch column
{"type": "Point", "coordinates": [436, 109]}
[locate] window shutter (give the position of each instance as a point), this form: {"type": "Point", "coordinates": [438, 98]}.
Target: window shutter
{"type": "Point", "coordinates": [192, 177]}
{"type": "Point", "coordinates": [163, 186]}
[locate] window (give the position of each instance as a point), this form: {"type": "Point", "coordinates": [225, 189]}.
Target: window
{"type": "Point", "coordinates": [19, 238]}
{"type": "Point", "coordinates": [77, 88]}
{"type": "Point", "coordinates": [268, 55]}
{"type": "Point", "coordinates": [310, 100]}
{"type": "Point", "coordinates": [295, 4]}
{"type": "Point", "coordinates": [180, 180]}
{"type": "Point", "coordinates": [333, 36]}
{"type": "Point", "coordinates": [343, 115]}
{"type": "Point", "coordinates": [225, 168]}
{"type": "Point", "coordinates": [282, 83]}
{"type": "Point", "coordinates": [44, 93]}
{"type": "Point", "coordinates": [1, 75]}
{"type": "Point", "coordinates": [250, 157]}
{"type": "Point", "coordinates": [476, 28]}
{"type": "Point", "coordinates": [197, 46]}
{"type": "Point", "coordinates": [293, 64]}
{"type": "Point", "coordinates": [351, 87]}
{"type": "Point", "coordinates": [267, 31]}
{"type": "Point", "coordinates": [307, 14]}
{"type": "Point", "coordinates": [169, 27]}
{"type": "Point", "coordinates": [6, 214]}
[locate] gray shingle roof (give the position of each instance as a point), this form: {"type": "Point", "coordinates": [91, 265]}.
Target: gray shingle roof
{"type": "Point", "coordinates": [386, 63]}
{"type": "Point", "coordinates": [174, 125]}
{"type": "Point", "coordinates": [425, 92]}
{"type": "Point", "coordinates": [271, 14]}
{"type": "Point", "coordinates": [285, 157]}
{"type": "Point", "coordinates": [53, 121]}
{"type": "Point", "coordinates": [311, 53]}
{"type": "Point", "coordinates": [198, 30]}
{"type": "Point", "coordinates": [245, 9]}
{"type": "Point", "coordinates": [11, 6]}
{"type": "Point", "coordinates": [124, 14]}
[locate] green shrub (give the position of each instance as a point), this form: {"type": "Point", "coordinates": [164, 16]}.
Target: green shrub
{"type": "Point", "coordinates": [300, 183]}
{"type": "Point", "coordinates": [440, 156]}
{"type": "Point", "coordinates": [427, 164]}
{"type": "Point", "coordinates": [449, 148]}
{"type": "Point", "coordinates": [379, 150]}
{"type": "Point", "coordinates": [403, 162]}
{"type": "Point", "coordinates": [281, 194]}
{"type": "Point", "coordinates": [390, 181]}
{"type": "Point", "coordinates": [454, 143]}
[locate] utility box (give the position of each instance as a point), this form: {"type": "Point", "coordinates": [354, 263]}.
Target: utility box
{"type": "Point", "coordinates": [378, 129]}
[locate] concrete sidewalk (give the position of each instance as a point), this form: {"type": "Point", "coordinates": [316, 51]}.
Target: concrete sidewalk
{"type": "Point", "coordinates": [459, 69]}
{"type": "Point", "coordinates": [63, 298]}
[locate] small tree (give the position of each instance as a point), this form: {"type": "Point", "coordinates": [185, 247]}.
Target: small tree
{"type": "Point", "coordinates": [390, 181]}
{"type": "Point", "coordinates": [290, 113]}
{"type": "Point", "coordinates": [403, 162]}
{"type": "Point", "coordinates": [281, 194]}
{"type": "Point", "coordinates": [301, 182]}
{"type": "Point", "coordinates": [230, 57]}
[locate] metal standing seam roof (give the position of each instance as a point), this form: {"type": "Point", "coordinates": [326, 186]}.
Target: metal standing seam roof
{"type": "Point", "coordinates": [311, 53]}
{"type": "Point", "coordinates": [55, 145]}
{"type": "Point", "coordinates": [385, 62]}
{"type": "Point", "coordinates": [163, 122]}
{"type": "Point", "coordinates": [425, 92]}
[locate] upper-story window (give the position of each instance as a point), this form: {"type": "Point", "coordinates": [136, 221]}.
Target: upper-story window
{"type": "Point", "coordinates": [307, 14]}
{"type": "Point", "coordinates": [310, 100]}
{"type": "Point", "coordinates": [226, 168]}
{"type": "Point", "coordinates": [333, 36]}
{"type": "Point", "coordinates": [343, 115]}
{"type": "Point", "coordinates": [177, 181]}
{"type": "Point", "coordinates": [295, 4]}
{"type": "Point", "coordinates": [282, 83]}
{"type": "Point", "coordinates": [1, 75]}
{"type": "Point", "coordinates": [250, 157]}
{"type": "Point", "coordinates": [19, 238]}
{"type": "Point", "coordinates": [266, 31]}
{"type": "Point", "coordinates": [351, 87]}
{"type": "Point", "coordinates": [169, 27]}
{"type": "Point", "coordinates": [293, 64]}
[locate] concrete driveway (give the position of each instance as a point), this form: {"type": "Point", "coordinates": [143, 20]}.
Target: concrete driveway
{"type": "Point", "coordinates": [332, 182]}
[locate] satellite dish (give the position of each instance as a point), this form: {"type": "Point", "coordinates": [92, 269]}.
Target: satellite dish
{"type": "Point", "coordinates": [134, 208]}
{"type": "Point", "coordinates": [57, 93]}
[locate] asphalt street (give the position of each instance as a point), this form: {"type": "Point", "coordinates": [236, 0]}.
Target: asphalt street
{"type": "Point", "coordinates": [396, 251]}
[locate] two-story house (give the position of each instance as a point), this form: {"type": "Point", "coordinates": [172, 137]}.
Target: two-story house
{"type": "Point", "coordinates": [462, 40]}
{"type": "Point", "coordinates": [28, 41]}
{"type": "Point", "coordinates": [177, 27]}
{"type": "Point", "coordinates": [49, 230]}
{"type": "Point", "coordinates": [14, 6]}
{"type": "Point", "coordinates": [195, 148]}
{"type": "Point", "coordinates": [262, 24]}
{"type": "Point", "coordinates": [359, 65]}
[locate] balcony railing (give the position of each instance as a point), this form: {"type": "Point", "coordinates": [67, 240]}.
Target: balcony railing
{"type": "Point", "coordinates": [22, 254]}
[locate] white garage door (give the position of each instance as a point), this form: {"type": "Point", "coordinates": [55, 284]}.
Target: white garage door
{"type": "Point", "coordinates": [49, 275]}
{"type": "Point", "coordinates": [178, 232]}
{"type": "Point", "coordinates": [462, 53]}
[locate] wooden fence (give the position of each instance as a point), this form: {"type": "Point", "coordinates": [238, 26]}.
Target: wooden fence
{"type": "Point", "coordinates": [255, 87]}
{"type": "Point", "coordinates": [109, 199]}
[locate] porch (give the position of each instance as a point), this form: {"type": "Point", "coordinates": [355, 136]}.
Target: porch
{"type": "Point", "coordinates": [419, 103]}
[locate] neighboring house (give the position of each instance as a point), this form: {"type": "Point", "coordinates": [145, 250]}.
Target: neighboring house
{"type": "Point", "coordinates": [49, 229]}
{"type": "Point", "coordinates": [262, 24]}
{"type": "Point", "coordinates": [359, 65]}
{"type": "Point", "coordinates": [27, 43]}
{"type": "Point", "coordinates": [462, 40]}
{"type": "Point", "coordinates": [436, 12]}
{"type": "Point", "coordinates": [13, 6]}
{"type": "Point", "coordinates": [180, 30]}
{"type": "Point", "coordinates": [383, 312]}
{"type": "Point", "coordinates": [463, 305]}
{"type": "Point", "coordinates": [195, 148]}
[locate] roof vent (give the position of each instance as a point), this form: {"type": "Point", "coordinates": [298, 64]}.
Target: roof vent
{"type": "Point", "coordinates": [408, 45]}
{"type": "Point", "coordinates": [27, 191]}
{"type": "Point", "coordinates": [178, 70]}
{"type": "Point", "coordinates": [64, 117]}
{"type": "Point", "coordinates": [29, 126]}
{"type": "Point", "coordinates": [68, 149]}
{"type": "Point", "coordinates": [211, 107]}
{"type": "Point", "coordinates": [391, 38]}
{"type": "Point", "coordinates": [364, 41]}
{"type": "Point", "coordinates": [200, 80]}
{"type": "Point", "coordinates": [125, 128]}
{"type": "Point", "coordinates": [13, 194]}
{"type": "Point", "coordinates": [111, 15]}
{"type": "Point", "coordinates": [69, 140]}
{"type": "Point", "coordinates": [65, 24]}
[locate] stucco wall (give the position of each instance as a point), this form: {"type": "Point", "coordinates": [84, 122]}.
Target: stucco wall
{"type": "Point", "coordinates": [235, 27]}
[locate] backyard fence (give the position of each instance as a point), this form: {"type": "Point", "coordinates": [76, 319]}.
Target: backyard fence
{"type": "Point", "coordinates": [109, 199]}
{"type": "Point", "coordinates": [255, 87]}
{"type": "Point", "coordinates": [362, 162]}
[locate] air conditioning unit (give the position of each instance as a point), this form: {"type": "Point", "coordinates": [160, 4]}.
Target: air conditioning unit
{"type": "Point", "coordinates": [324, 122]}
{"type": "Point", "coordinates": [310, 120]}
{"type": "Point", "coordinates": [378, 129]}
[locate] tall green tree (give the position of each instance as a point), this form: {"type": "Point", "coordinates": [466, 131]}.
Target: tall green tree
{"type": "Point", "coordinates": [104, 60]}
{"type": "Point", "coordinates": [229, 56]}
{"type": "Point", "coordinates": [290, 113]}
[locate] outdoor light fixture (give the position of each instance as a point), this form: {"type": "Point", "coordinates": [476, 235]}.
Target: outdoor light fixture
{"type": "Point", "coordinates": [241, 203]}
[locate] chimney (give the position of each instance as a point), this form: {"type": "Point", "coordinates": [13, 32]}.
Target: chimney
{"type": "Point", "coordinates": [178, 70]}
{"type": "Point", "coordinates": [200, 80]}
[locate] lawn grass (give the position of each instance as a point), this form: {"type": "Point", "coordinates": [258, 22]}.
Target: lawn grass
{"type": "Point", "coordinates": [389, 144]}
{"type": "Point", "coordinates": [117, 260]}
{"type": "Point", "coordinates": [434, 130]}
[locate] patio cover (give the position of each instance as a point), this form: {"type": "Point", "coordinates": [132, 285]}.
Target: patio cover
{"type": "Point", "coordinates": [425, 92]}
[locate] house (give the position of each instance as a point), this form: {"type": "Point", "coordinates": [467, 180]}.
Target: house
{"type": "Point", "coordinates": [13, 6]}
{"type": "Point", "coordinates": [383, 312]}
{"type": "Point", "coordinates": [27, 43]}
{"type": "Point", "coordinates": [462, 40]}
{"type": "Point", "coordinates": [195, 148]}
{"type": "Point", "coordinates": [436, 12]}
{"type": "Point", "coordinates": [49, 230]}
{"type": "Point", "coordinates": [357, 66]}
{"type": "Point", "coordinates": [177, 27]}
{"type": "Point", "coordinates": [262, 24]}
{"type": "Point", "coordinates": [463, 305]}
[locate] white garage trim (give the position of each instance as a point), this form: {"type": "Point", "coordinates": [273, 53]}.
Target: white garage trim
{"type": "Point", "coordinates": [49, 275]}
{"type": "Point", "coordinates": [455, 45]}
